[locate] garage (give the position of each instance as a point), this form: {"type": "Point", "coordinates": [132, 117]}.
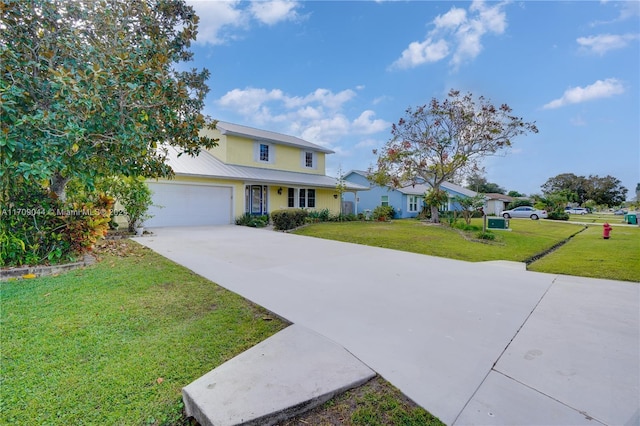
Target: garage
{"type": "Point", "coordinates": [190, 204]}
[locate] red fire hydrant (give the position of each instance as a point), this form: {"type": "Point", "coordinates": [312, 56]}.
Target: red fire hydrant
{"type": "Point", "coordinates": [606, 230]}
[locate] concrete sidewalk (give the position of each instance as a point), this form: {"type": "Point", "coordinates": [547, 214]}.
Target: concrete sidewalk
{"type": "Point", "coordinates": [473, 343]}
{"type": "Point", "coordinates": [285, 375]}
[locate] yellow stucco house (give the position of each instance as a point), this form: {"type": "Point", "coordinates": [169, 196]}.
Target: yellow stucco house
{"type": "Point", "coordinates": [250, 171]}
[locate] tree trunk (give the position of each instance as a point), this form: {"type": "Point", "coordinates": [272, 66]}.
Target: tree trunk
{"type": "Point", "coordinates": [58, 184]}
{"type": "Point", "coordinates": [435, 215]}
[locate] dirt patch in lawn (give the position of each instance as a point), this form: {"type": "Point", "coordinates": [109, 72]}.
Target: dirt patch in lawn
{"type": "Point", "coordinates": [376, 402]}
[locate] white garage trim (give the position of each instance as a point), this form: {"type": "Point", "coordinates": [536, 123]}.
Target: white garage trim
{"type": "Point", "coordinates": [178, 203]}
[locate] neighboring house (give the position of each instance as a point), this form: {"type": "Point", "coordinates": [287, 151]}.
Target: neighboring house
{"type": "Point", "coordinates": [496, 203]}
{"type": "Point", "coordinates": [250, 171]}
{"type": "Point", "coordinates": [408, 201]}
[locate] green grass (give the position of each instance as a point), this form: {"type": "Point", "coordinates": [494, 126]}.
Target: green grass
{"type": "Point", "coordinates": [387, 408]}
{"type": "Point", "coordinates": [590, 255]}
{"type": "Point", "coordinates": [527, 238]}
{"type": "Point", "coordinates": [375, 403]}
{"type": "Point", "coordinates": [597, 218]}
{"type": "Point", "coordinates": [616, 260]}
{"type": "Point", "coordinates": [115, 343]}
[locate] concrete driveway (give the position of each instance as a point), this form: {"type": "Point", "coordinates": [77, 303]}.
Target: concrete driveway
{"type": "Point", "coordinates": [473, 343]}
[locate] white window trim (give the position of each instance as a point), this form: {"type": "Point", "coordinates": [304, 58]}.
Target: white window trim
{"type": "Point", "coordinates": [383, 201]}
{"type": "Point", "coordinates": [256, 152]}
{"type": "Point", "coordinates": [315, 198]}
{"type": "Point", "coordinates": [303, 159]}
{"type": "Point", "coordinates": [417, 203]}
{"type": "Point", "coordinates": [296, 197]}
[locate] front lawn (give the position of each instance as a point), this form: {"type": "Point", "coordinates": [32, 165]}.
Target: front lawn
{"type": "Point", "coordinates": [597, 218]}
{"type": "Point", "coordinates": [115, 343]}
{"type": "Point", "coordinates": [587, 255]}
{"type": "Point", "coordinates": [526, 238]}
{"type": "Point", "coordinates": [590, 255]}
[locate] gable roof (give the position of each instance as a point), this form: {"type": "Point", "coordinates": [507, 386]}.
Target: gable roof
{"type": "Point", "coordinates": [206, 165]}
{"type": "Point", "coordinates": [358, 172]}
{"type": "Point", "coordinates": [500, 197]}
{"type": "Point", "coordinates": [268, 136]}
{"type": "Point", "coordinates": [459, 189]}
{"type": "Point", "coordinates": [421, 189]}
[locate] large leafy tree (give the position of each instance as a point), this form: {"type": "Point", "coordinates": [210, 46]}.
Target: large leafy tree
{"type": "Point", "coordinates": [93, 88]}
{"type": "Point", "coordinates": [572, 186]}
{"type": "Point", "coordinates": [606, 190]}
{"type": "Point", "coordinates": [478, 183]}
{"type": "Point", "coordinates": [443, 140]}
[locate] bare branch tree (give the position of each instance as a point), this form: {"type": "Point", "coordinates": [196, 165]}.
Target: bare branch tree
{"type": "Point", "coordinates": [442, 140]}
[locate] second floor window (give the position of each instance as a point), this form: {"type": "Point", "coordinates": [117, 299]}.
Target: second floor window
{"type": "Point", "coordinates": [308, 159]}
{"type": "Point", "coordinates": [264, 152]}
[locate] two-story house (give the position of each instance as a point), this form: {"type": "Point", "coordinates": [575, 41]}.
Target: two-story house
{"type": "Point", "coordinates": [250, 171]}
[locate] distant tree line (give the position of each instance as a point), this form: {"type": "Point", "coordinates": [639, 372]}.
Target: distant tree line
{"type": "Point", "coordinates": [604, 191]}
{"type": "Point", "coordinates": [478, 183]}
{"type": "Point", "coordinates": [568, 187]}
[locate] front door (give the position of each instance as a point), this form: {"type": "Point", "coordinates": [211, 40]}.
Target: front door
{"type": "Point", "coordinates": [256, 199]}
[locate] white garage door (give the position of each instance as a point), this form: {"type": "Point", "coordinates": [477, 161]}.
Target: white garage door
{"type": "Point", "coordinates": [189, 204]}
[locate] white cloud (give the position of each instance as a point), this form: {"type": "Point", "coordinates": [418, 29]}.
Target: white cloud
{"type": "Point", "coordinates": [366, 124]}
{"type": "Point", "coordinates": [469, 33]}
{"type": "Point", "coordinates": [603, 43]}
{"type": "Point", "coordinates": [627, 10]}
{"type": "Point", "coordinates": [469, 43]}
{"type": "Point", "coordinates": [452, 19]}
{"type": "Point", "coordinates": [220, 21]}
{"type": "Point", "coordinates": [324, 97]}
{"type": "Point", "coordinates": [419, 53]}
{"type": "Point", "coordinates": [316, 117]}
{"type": "Point", "coordinates": [272, 12]}
{"type": "Point", "coordinates": [251, 102]}
{"type": "Point", "coordinates": [599, 89]}
{"type": "Point", "coordinates": [216, 17]}
{"type": "Point", "coordinates": [310, 113]}
{"type": "Point", "coordinates": [326, 129]}
{"type": "Point", "coordinates": [381, 99]}
{"type": "Point", "coordinates": [458, 31]}
{"type": "Point", "coordinates": [492, 19]}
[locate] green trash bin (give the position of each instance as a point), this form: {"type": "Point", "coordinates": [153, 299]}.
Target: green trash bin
{"type": "Point", "coordinates": [631, 218]}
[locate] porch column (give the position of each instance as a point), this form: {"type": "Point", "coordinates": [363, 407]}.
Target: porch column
{"type": "Point", "coordinates": [355, 201]}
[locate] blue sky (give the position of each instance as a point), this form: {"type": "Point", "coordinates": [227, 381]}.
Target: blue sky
{"type": "Point", "coordinates": [340, 73]}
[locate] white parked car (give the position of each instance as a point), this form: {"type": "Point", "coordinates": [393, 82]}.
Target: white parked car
{"type": "Point", "coordinates": [524, 211]}
{"type": "Point", "coordinates": [577, 210]}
